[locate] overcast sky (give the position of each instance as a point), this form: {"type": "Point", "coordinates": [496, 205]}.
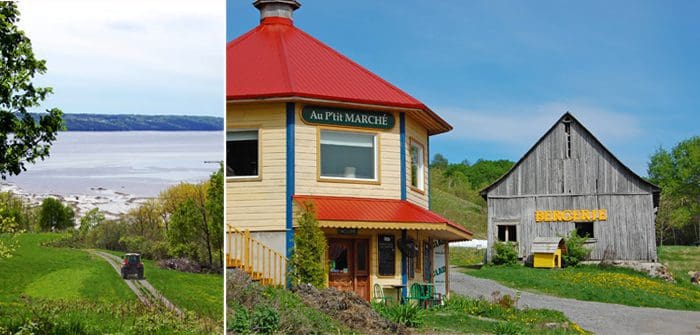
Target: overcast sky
{"type": "Point", "coordinates": [502, 72]}
{"type": "Point", "coordinates": [130, 56]}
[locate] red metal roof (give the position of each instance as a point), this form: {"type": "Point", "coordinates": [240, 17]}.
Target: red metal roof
{"type": "Point", "coordinates": [276, 59]}
{"type": "Point", "coordinates": [373, 210]}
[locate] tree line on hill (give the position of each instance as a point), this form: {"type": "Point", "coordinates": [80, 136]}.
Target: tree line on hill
{"type": "Point", "coordinates": [185, 221]}
{"type": "Point", "coordinates": [133, 122]}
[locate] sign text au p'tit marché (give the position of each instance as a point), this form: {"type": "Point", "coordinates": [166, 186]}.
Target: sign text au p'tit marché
{"type": "Point", "coordinates": [348, 117]}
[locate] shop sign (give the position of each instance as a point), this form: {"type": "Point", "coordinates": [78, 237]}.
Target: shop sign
{"type": "Point", "coordinates": [572, 215]}
{"type": "Point", "coordinates": [348, 117]}
{"type": "Point", "coordinates": [347, 231]}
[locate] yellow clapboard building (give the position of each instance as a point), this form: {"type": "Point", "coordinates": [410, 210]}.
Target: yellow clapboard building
{"type": "Point", "coordinates": [308, 126]}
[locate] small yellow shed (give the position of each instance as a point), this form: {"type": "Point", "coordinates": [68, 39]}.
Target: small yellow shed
{"type": "Point", "coordinates": [547, 252]}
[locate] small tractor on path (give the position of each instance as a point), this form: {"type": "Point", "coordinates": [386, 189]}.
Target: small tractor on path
{"type": "Point", "coordinates": [132, 266]}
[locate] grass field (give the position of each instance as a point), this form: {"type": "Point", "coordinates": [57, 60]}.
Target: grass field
{"type": "Point", "coordinates": [461, 256]}
{"type": "Point", "coordinates": [680, 260]}
{"type": "Point", "coordinates": [462, 315]}
{"type": "Point", "coordinates": [611, 285]}
{"type": "Point", "coordinates": [55, 273]}
{"type": "Point", "coordinates": [46, 290]}
{"type": "Point", "coordinates": [200, 293]}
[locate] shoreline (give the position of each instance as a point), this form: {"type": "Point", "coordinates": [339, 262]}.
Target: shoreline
{"type": "Point", "coordinates": [113, 204]}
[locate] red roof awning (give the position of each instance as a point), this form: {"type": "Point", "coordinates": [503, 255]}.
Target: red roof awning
{"type": "Point", "coordinates": [278, 60]}
{"type": "Point", "coordinates": [397, 214]}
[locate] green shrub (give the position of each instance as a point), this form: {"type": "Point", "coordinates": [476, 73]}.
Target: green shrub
{"type": "Point", "coordinates": [575, 249]}
{"type": "Point", "coordinates": [54, 215]}
{"type": "Point", "coordinates": [509, 328]}
{"type": "Point", "coordinates": [409, 315]}
{"type": "Point", "coordinates": [306, 264]}
{"type": "Point", "coordinates": [505, 254]}
{"type": "Point", "coordinates": [240, 323]}
{"type": "Point", "coordinates": [265, 320]}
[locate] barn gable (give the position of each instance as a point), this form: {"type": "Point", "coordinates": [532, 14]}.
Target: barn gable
{"type": "Point", "coordinates": [568, 159]}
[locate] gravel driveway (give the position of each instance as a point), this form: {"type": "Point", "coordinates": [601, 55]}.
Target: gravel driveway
{"type": "Point", "coordinates": [600, 318]}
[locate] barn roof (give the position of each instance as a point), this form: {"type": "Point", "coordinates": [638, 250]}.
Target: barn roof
{"type": "Point", "coordinates": [655, 189]}
{"type": "Point", "coordinates": [546, 245]}
{"type": "Point", "coordinates": [278, 60]}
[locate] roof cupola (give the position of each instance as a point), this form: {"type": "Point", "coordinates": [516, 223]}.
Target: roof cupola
{"type": "Point", "coordinates": [276, 8]}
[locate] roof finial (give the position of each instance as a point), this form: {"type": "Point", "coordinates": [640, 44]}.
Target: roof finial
{"type": "Point", "coordinates": [276, 8]}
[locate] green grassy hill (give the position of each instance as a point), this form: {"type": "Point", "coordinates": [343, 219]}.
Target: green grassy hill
{"type": "Point", "coordinates": [47, 290]}
{"type": "Point", "coordinates": [454, 190]}
{"type": "Point", "coordinates": [468, 214]}
{"type": "Point", "coordinates": [55, 273]}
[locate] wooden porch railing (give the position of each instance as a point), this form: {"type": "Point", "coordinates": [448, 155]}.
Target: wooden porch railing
{"type": "Point", "coordinates": [263, 264]}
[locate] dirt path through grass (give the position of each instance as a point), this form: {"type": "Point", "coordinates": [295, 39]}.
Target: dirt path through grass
{"type": "Point", "coordinates": [141, 287]}
{"type": "Point", "coordinates": [600, 318]}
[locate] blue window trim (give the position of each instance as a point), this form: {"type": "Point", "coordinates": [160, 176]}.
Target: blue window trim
{"type": "Point", "coordinates": [402, 122]}
{"type": "Point", "coordinates": [427, 155]}
{"type": "Point", "coordinates": [291, 117]}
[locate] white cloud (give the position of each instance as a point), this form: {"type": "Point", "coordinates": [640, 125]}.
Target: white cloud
{"type": "Point", "coordinates": [155, 43]}
{"type": "Point", "coordinates": [526, 124]}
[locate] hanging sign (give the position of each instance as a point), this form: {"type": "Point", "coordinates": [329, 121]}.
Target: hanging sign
{"type": "Point", "coordinates": [348, 117]}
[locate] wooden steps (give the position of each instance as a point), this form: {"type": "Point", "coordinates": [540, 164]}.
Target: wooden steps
{"type": "Point", "coordinates": [264, 265]}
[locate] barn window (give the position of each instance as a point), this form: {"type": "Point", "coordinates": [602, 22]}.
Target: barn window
{"type": "Point", "coordinates": [242, 154]}
{"type": "Point", "coordinates": [346, 155]}
{"type": "Point", "coordinates": [507, 233]}
{"type": "Point", "coordinates": [584, 229]}
{"type": "Point", "coordinates": [567, 130]}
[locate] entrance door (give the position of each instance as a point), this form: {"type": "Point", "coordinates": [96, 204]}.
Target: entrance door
{"type": "Point", "coordinates": [349, 265]}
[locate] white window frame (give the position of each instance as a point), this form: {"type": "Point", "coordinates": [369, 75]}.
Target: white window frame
{"type": "Point", "coordinates": [251, 177]}
{"type": "Point", "coordinates": [420, 173]}
{"type": "Point", "coordinates": [375, 144]}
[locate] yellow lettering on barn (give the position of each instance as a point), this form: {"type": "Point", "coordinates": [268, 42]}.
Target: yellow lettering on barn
{"type": "Point", "coordinates": [572, 215]}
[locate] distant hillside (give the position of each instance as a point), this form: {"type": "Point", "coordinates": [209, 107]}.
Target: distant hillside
{"type": "Point", "coordinates": [132, 122]}
{"type": "Point", "coordinates": [454, 190]}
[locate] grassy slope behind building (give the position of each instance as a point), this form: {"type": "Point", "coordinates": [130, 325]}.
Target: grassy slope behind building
{"type": "Point", "coordinates": [454, 191]}
{"type": "Point", "coordinates": [68, 291]}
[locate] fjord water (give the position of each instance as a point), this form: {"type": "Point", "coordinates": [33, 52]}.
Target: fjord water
{"type": "Point", "coordinates": [135, 163]}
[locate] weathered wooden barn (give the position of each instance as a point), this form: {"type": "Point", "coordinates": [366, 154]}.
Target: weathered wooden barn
{"type": "Point", "coordinates": [568, 180]}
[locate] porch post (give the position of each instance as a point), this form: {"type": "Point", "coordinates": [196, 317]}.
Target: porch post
{"type": "Point", "coordinates": [404, 265]}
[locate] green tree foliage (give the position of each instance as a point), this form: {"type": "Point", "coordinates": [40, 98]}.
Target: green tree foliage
{"type": "Point", "coordinates": [505, 253]}
{"type": "Point", "coordinates": [53, 215]}
{"type": "Point", "coordinates": [23, 139]}
{"type": "Point", "coordinates": [23, 213]}
{"type": "Point", "coordinates": [215, 207]}
{"type": "Point", "coordinates": [182, 236]}
{"type": "Point", "coordinates": [306, 264]}
{"type": "Point", "coordinates": [576, 252]}
{"type": "Point", "coordinates": [8, 229]}
{"type": "Point", "coordinates": [678, 174]}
